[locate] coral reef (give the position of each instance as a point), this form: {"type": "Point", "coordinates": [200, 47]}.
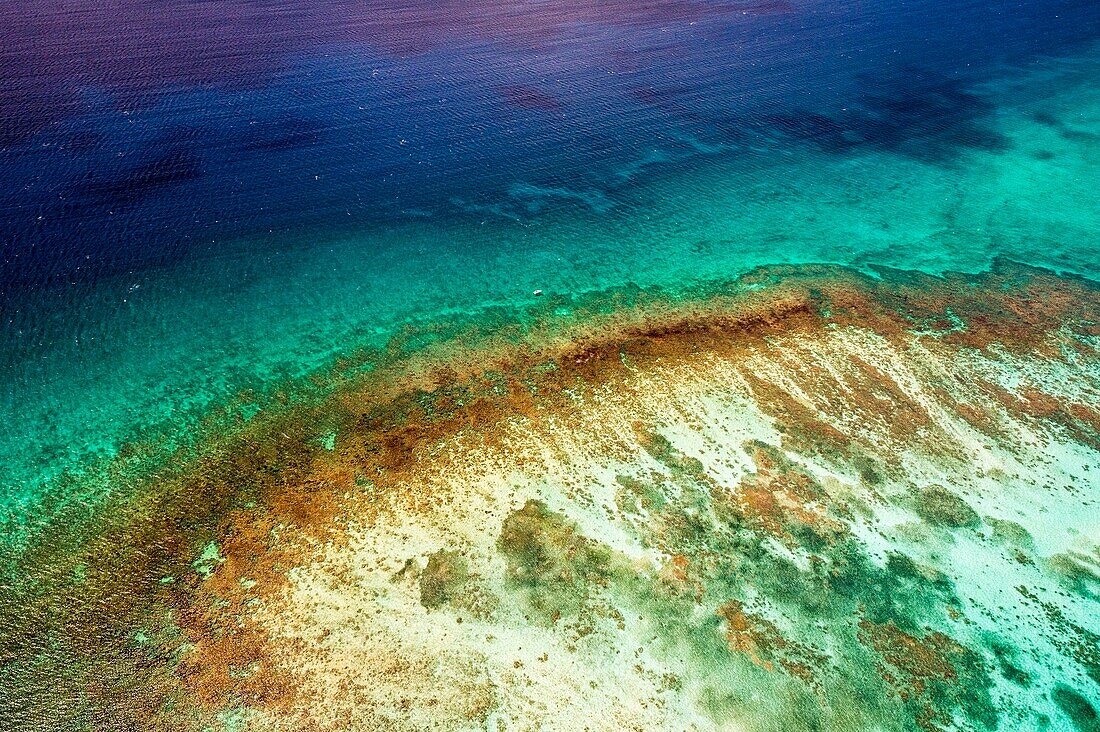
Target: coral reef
{"type": "Point", "coordinates": [810, 498]}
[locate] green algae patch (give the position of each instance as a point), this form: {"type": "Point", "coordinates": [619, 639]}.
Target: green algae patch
{"type": "Point", "coordinates": [1006, 657]}
{"type": "Point", "coordinates": [1010, 533]}
{"type": "Point", "coordinates": [444, 580]}
{"type": "Point", "coordinates": [208, 560]}
{"type": "Point", "coordinates": [941, 507]}
{"type": "Point", "coordinates": [636, 496]}
{"type": "Point", "coordinates": [327, 441]}
{"type": "Point", "coordinates": [1078, 572]}
{"type": "Point", "coordinates": [662, 450]}
{"type": "Point", "coordinates": [558, 569]}
{"type": "Point", "coordinates": [1080, 711]}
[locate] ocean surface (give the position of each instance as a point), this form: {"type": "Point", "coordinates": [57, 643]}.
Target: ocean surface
{"type": "Point", "coordinates": [202, 202]}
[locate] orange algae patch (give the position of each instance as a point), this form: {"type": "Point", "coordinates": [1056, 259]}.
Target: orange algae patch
{"type": "Point", "coordinates": [780, 499]}
{"type": "Point", "coordinates": [760, 639]}
{"type": "Point", "coordinates": [922, 671]}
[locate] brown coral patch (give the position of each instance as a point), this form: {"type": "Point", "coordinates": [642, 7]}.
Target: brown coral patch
{"type": "Point", "coordinates": [784, 501]}
{"type": "Point", "coordinates": [933, 674]}
{"type": "Point", "coordinates": [761, 640]}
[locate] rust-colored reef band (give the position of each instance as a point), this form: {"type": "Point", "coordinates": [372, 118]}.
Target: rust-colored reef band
{"type": "Point", "coordinates": [809, 498]}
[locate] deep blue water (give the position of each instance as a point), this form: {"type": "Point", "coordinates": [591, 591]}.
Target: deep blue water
{"type": "Point", "coordinates": [134, 134]}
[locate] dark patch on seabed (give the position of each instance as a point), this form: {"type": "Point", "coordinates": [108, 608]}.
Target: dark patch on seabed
{"type": "Point", "coordinates": [175, 165]}
{"type": "Point", "coordinates": [919, 114]}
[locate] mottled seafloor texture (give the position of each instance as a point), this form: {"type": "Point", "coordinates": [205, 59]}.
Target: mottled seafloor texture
{"type": "Point", "coordinates": [666, 365]}
{"type": "Point", "coordinates": [806, 499]}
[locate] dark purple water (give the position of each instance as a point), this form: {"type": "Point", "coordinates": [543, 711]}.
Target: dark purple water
{"type": "Point", "coordinates": [138, 132]}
